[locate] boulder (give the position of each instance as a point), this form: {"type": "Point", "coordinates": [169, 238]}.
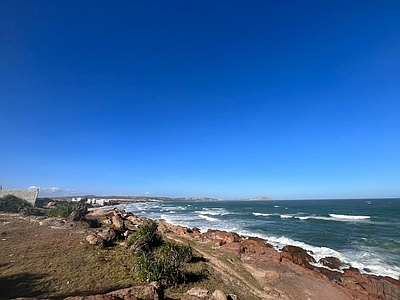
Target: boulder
{"type": "Point", "coordinates": [332, 263]}
{"type": "Point", "coordinates": [107, 235]}
{"type": "Point", "coordinates": [130, 226]}
{"type": "Point", "coordinates": [218, 295]}
{"type": "Point", "coordinates": [135, 219]}
{"type": "Point", "coordinates": [375, 286]}
{"type": "Point", "coordinates": [200, 292]}
{"type": "Point", "coordinates": [256, 246]}
{"type": "Point", "coordinates": [298, 256]}
{"type": "Point", "coordinates": [117, 222]}
{"type": "Point", "coordinates": [271, 275]}
{"type": "Point", "coordinates": [222, 237]}
{"type": "Point", "coordinates": [94, 239]}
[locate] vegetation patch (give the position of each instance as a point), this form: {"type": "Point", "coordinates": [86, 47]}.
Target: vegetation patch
{"type": "Point", "coordinates": [157, 260]}
{"type": "Point", "coordinates": [14, 204]}
{"type": "Point", "coordinates": [74, 211]}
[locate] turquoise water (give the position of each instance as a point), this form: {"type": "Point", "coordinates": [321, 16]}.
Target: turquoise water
{"type": "Point", "coordinates": [364, 233]}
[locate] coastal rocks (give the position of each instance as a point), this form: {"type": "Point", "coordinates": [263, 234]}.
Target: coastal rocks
{"type": "Point", "coordinates": [333, 263]}
{"type": "Point", "coordinates": [221, 237]}
{"type": "Point", "coordinates": [93, 239]}
{"type": "Point", "coordinates": [255, 245]}
{"type": "Point", "coordinates": [103, 235]}
{"type": "Point", "coordinates": [375, 287]}
{"type": "Point", "coordinates": [298, 255]}
{"type": "Point", "coordinates": [119, 225]}
{"type": "Point", "coordinates": [117, 222]}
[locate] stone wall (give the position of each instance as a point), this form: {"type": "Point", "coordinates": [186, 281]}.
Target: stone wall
{"type": "Point", "coordinates": [28, 195]}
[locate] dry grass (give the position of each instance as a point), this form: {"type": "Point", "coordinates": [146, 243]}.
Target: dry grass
{"type": "Point", "coordinates": [47, 262]}
{"type": "Point", "coordinates": [39, 261]}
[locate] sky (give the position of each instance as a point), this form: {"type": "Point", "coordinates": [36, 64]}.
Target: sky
{"type": "Point", "coordinates": [223, 99]}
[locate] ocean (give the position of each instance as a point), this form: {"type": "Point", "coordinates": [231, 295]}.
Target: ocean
{"type": "Point", "coordinates": [364, 232]}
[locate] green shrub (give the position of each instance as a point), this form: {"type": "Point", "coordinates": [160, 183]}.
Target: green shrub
{"type": "Point", "coordinates": [146, 238]}
{"type": "Point", "coordinates": [74, 211]}
{"type": "Point", "coordinates": [13, 204]}
{"type": "Point", "coordinates": [156, 260]}
{"type": "Point", "coordinates": [164, 264]}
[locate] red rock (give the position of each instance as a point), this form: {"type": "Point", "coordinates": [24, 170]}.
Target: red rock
{"type": "Point", "coordinates": [298, 256]}
{"type": "Point", "coordinates": [332, 262]}
{"type": "Point", "coordinates": [271, 275]}
{"type": "Point", "coordinates": [257, 246]}
{"type": "Point", "coordinates": [222, 236]}
{"type": "Point", "coordinates": [234, 247]}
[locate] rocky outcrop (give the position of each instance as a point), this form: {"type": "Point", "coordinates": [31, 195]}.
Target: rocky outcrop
{"type": "Point", "coordinates": [118, 226]}
{"type": "Point", "coordinates": [333, 263]}
{"type": "Point", "coordinates": [102, 236]}
{"type": "Point", "coordinates": [265, 264]}
{"type": "Point", "coordinates": [298, 255]}
{"type": "Point", "coordinates": [221, 237]}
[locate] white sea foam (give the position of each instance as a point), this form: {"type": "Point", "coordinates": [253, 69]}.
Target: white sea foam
{"type": "Point", "coordinates": [208, 218]}
{"type": "Point", "coordinates": [261, 214]}
{"type": "Point", "coordinates": [211, 213]}
{"type": "Point", "coordinates": [286, 216]}
{"type": "Point", "coordinates": [349, 217]}
{"type": "Point", "coordinates": [312, 217]}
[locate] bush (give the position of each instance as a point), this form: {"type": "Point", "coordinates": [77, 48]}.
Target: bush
{"type": "Point", "coordinates": [146, 238]}
{"type": "Point", "coordinates": [165, 264]}
{"type": "Point", "coordinates": [74, 211]}
{"type": "Point", "coordinates": [156, 260]}
{"type": "Point", "coordinates": [14, 204]}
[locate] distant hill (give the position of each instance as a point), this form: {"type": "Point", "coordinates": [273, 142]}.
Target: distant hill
{"type": "Point", "coordinates": [259, 199]}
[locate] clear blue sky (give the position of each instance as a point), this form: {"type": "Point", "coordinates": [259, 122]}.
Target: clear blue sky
{"type": "Point", "coordinates": [226, 99]}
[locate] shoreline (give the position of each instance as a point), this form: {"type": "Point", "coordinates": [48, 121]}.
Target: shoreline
{"type": "Point", "coordinates": [243, 266]}
{"type": "Point", "coordinates": [349, 258]}
{"type": "Point", "coordinates": [334, 271]}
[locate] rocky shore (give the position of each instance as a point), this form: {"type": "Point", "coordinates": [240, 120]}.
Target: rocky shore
{"type": "Point", "coordinates": [245, 268]}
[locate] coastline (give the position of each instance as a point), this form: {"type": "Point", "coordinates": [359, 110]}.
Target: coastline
{"type": "Point", "coordinates": [246, 265]}
{"type": "Point", "coordinates": [351, 232]}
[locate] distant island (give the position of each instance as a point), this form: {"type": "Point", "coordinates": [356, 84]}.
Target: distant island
{"type": "Point", "coordinates": [259, 199]}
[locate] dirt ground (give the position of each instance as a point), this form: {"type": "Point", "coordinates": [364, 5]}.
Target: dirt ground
{"type": "Point", "coordinates": [50, 258]}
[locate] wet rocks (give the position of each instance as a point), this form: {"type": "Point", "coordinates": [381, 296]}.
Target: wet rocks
{"type": "Point", "coordinates": [298, 255]}
{"type": "Point", "coordinates": [333, 263]}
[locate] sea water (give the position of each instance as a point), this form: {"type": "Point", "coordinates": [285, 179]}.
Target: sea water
{"type": "Point", "coordinates": [364, 233]}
